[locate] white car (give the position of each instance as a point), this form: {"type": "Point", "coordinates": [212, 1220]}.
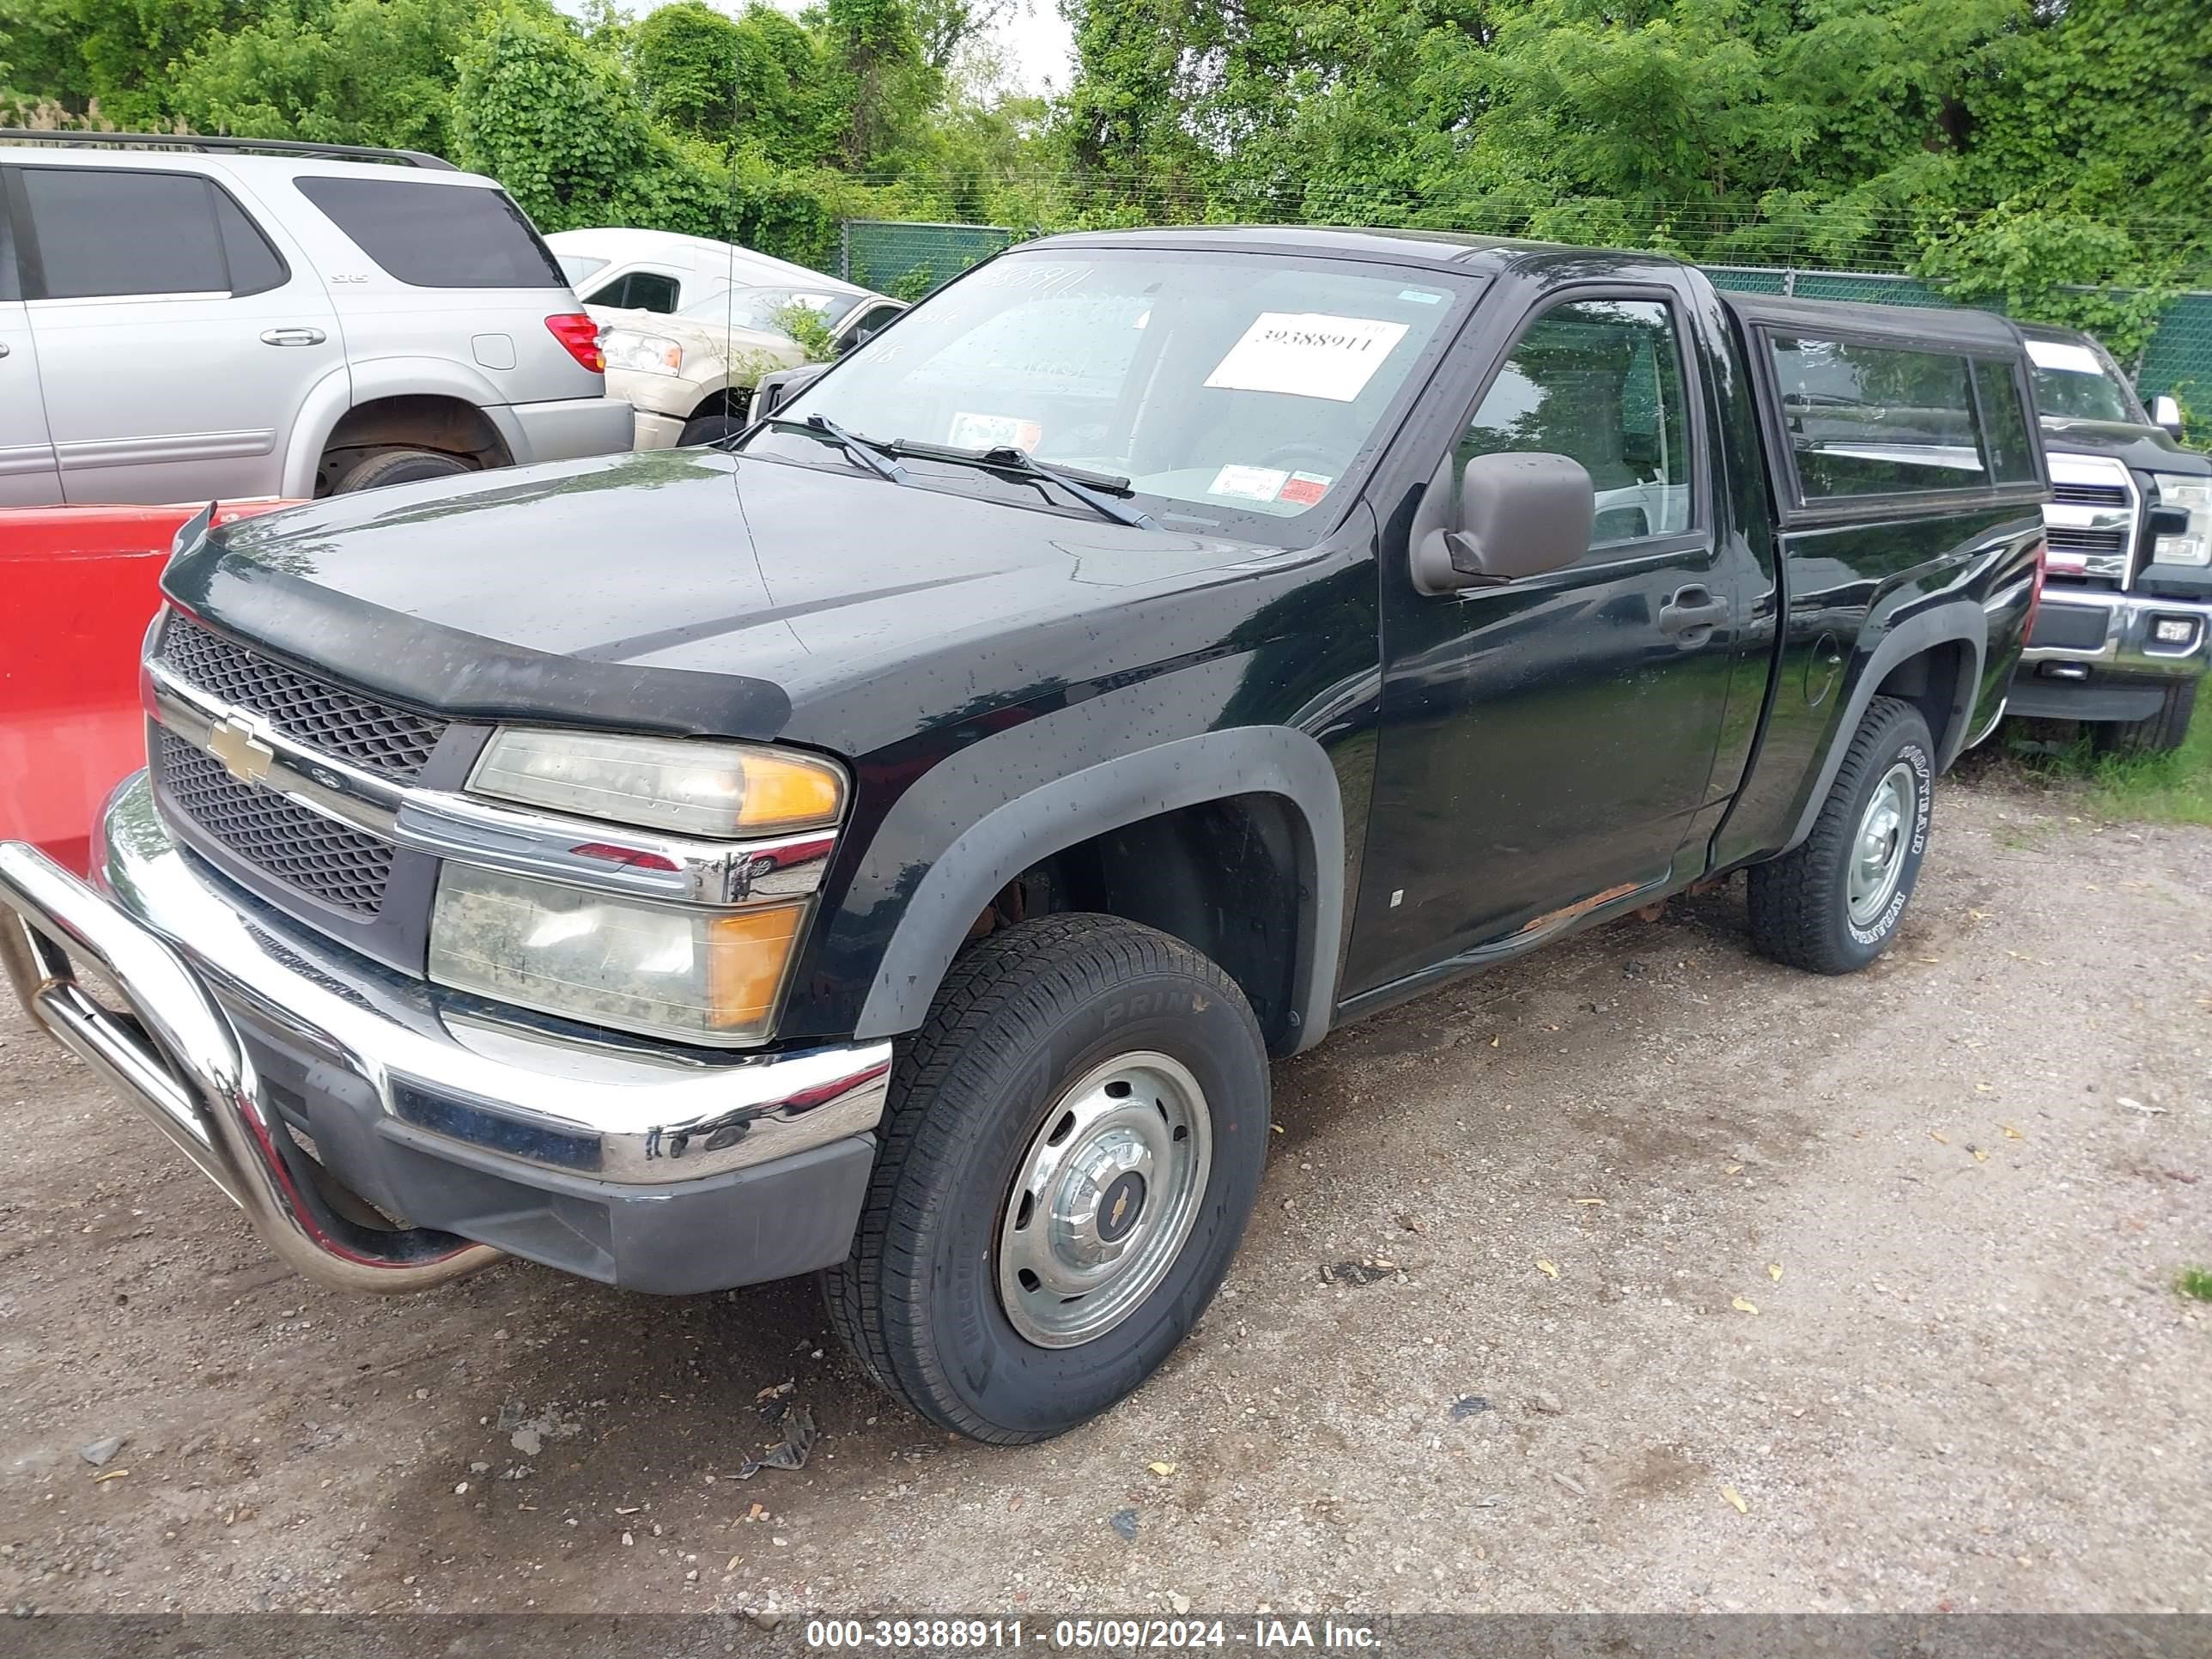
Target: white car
{"type": "Point", "coordinates": [689, 377]}
{"type": "Point", "coordinates": [663, 270]}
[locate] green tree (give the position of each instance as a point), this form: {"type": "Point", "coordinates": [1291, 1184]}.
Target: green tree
{"type": "Point", "coordinates": [565, 131]}
{"type": "Point", "coordinates": [882, 79]}
{"type": "Point", "coordinates": [353, 72]}
{"type": "Point", "coordinates": [111, 58]}
{"type": "Point", "coordinates": [758, 79]}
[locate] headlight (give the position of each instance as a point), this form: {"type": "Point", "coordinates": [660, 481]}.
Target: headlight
{"type": "Point", "coordinates": [2194, 497]}
{"type": "Point", "coordinates": [661, 783]}
{"type": "Point", "coordinates": [653, 354]}
{"type": "Point", "coordinates": [710, 976]}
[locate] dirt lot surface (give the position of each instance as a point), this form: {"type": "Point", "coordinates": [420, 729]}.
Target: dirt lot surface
{"type": "Point", "coordinates": [1680, 1281]}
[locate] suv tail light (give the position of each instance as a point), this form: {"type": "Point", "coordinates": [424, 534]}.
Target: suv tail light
{"type": "Point", "coordinates": [581, 336]}
{"type": "Point", "coordinates": [2035, 588]}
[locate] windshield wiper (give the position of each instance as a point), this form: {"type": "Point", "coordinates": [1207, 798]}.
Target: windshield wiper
{"type": "Point", "coordinates": [866, 451]}
{"type": "Point", "coordinates": [1078, 481]}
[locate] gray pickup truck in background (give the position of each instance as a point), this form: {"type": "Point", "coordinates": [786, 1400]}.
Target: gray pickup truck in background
{"type": "Point", "coordinates": [2125, 633]}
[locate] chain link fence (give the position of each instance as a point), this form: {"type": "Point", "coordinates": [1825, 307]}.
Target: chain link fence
{"type": "Point", "coordinates": [908, 259]}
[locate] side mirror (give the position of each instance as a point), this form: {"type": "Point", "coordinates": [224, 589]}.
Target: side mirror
{"type": "Point", "coordinates": [2166, 411]}
{"type": "Point", "coordinates": [1519, 515]}
{"type": "Point", "coordinates": [778, 387]}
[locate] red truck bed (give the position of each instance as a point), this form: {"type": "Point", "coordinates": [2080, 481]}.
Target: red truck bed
{"type": "Point", "coordinates": [78, 586]}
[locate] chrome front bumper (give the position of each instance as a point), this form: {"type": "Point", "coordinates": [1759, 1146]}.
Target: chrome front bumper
{"type": "Point", "coordinates": [198, 971]}
{"type": "Point", "coordinates": [2129, 646]}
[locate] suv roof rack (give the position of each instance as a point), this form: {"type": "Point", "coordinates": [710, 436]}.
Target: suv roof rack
{"type": "Point", "coordinates": [413, 158]}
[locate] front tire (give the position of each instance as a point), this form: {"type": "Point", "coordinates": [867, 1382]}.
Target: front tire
{"type": "Point", "coordinates": [1075, 1140]}
{"type": "Point", "coordinates": [1832, 904]}
{"type": "Point", "coordinates": [2155, 734]}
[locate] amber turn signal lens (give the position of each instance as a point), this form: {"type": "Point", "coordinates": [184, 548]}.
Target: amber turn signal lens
{"type": "Point", "coordinates": [747, 952]}
{"type": "Point", "coordinates": [784, 790]}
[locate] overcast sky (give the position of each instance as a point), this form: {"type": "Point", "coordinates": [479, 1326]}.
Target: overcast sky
{"type": "Point", "coordinates": [1039, 48]}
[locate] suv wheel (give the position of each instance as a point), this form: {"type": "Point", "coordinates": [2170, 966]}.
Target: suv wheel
{"type": "Point", "coordinates": [2156, 734]}
{"type": "Point", "coordinates": [1075, 1140]}
{"type": "Point", "coordinates": [394, 466]}
{"type": "Point", "coordinates": [1831, 905]}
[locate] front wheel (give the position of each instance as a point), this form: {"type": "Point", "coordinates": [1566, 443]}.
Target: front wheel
{"type": "Point", "coordinates": [1075, 1140]}
{"type": "Point", "coordinates": [1832, 904]}
{"type": "Point", "coordinates": [2161, 734]}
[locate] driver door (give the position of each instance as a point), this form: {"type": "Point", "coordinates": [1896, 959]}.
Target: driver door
{"type": "Point", "coordinates": [1547, 745]}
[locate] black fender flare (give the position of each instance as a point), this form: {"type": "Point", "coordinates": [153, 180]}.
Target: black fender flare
{"type": "Point", "coordinates": [1960, 621]}
{"type": "Point", "coordinates": [1063, 812]}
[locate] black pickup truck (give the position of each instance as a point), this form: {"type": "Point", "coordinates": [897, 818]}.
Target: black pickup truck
{"type": "Point", "coordinates": [892, 843]}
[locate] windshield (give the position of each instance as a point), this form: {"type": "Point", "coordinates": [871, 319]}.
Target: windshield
{"type": "Point", "coordinates": [1230, 389]}
{"type": "Point", "coordinates": [759, 307]}
{"type": "Point", "coordinates": [2074, 383]}
{"type": "Point", "coordinates": [577, 266]}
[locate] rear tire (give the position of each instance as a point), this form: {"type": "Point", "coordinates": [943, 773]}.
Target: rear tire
{"type": "Point", "coordinates": [397, 466]}
{"type": "Point", "coordinates": [1085, 1110]}
{"type": "Point", "coordinates": [2158, 734]}
{"type": "Point", "coordinates": [1832, 904]}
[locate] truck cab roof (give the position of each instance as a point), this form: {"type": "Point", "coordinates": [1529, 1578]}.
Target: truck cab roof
{"type": "Point", "coordinates": [1483, 255]}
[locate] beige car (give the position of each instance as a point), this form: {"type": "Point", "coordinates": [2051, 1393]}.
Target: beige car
{"type": "Point", "coordinates": [690, 376]}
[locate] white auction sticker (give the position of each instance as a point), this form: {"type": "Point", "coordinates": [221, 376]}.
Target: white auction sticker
{"type": "Point", "coordinates": [2067, 358]}
{"type": "Point", "coordinates": [1307, 354]}
{"type": "Point", "coordinates": [1250, 483]}
{"type": "Point", "coordinates": [972, 431]}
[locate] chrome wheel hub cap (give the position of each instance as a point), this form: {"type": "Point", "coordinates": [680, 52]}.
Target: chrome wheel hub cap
{"type": "Point", "coordinates": [1103, 1199]}
{"type": "Point", "coordinates": [1878, 853]}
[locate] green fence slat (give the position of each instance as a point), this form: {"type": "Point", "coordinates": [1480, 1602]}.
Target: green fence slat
{"type": "Point", "coordinates": [2179, 359]}
{"type": "Point", "coordinates": [909, 260]}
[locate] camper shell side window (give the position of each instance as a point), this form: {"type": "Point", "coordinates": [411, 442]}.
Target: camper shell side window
{"type": "Point", "coordinates": [1879, 411]}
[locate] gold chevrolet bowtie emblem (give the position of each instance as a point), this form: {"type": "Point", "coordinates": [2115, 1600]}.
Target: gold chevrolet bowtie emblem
{"type": "Point", "coordinates": [1121, 1206]}
{"type": "Point", "coordinates": [243, 755]}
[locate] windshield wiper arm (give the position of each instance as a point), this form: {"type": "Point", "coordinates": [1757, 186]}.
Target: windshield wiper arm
{"type": "Point", "coordinates": [866, 451]}
{"type": "Point", "coordinates": [1091, 489]}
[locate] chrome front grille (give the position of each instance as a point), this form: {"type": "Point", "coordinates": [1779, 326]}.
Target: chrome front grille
{"type": "Point", "coordinates": [306, 851]}
{"type": "Point", "coordinates": [2089, 522]}
{"type": "Point", "coordinates": [2089, 494]}
{"type": "Point", "coordinates": [371, 734]}
{"type": "Point", "coordinates": [2087, 543]}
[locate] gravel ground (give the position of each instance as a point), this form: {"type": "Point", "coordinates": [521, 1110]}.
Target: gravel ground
{"type": "Point", "coordinates": [1679, 1281]}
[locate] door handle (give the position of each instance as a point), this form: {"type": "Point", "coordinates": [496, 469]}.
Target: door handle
{"type": "Point", "coordinates": [1692, 611]}
{"type": "Point", "coordinates": [292, 337]}
{"type": "Point", "coordinates": [3, 348]}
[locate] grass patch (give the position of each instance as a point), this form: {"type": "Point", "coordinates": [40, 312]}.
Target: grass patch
{"type": "Point", "coordinates": [2175, 788]}
{"type": "Point", "coordinates": [2194, 1282]}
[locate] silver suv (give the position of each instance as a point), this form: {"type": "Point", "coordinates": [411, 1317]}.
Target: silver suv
{"type": "Point", "coordinates": [236, 318]}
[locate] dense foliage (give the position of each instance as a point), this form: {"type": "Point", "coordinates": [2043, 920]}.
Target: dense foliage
{"type": "Point", "coordinates": [2041, 153]}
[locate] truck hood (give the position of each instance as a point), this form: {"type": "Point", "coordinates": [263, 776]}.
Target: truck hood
{"type": "Point", "coordinates": [2143, 448]}
{"type": "Point", "coordinates": [695, 592]}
